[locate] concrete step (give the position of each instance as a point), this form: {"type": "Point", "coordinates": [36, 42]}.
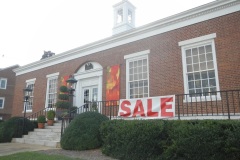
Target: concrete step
{"type": "Point", "coordinates": [37, 142]}
{"type": "Point", "coordinates": [49, 136]}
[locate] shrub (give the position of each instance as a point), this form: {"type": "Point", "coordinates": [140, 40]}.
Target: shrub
{"type": "Point", "coordinates": [41, 119]}
{"type": "Point", "coordinates": [175, 140]}
{"type": "Point", "coordinates": [130, 140]}
{"type": "Point", "coordinates": [63, 97]}
{"type": "Point", "coordinates": [63, 104]}
{"type": "Point", "coordinates": [50, 115]}
{"type": "Point", "coordinates": [63, 89]}
{"type": "Point", "coordinates": [14, 128]}
{"type": "Point", "coordinates": [83, 132]}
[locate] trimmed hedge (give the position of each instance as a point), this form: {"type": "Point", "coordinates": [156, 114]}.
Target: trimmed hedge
{"type": "Point", "coordinates": [13, 128]}
{"type": "Point", "coordinates": [175, 140]}
{"type": "Point", "coordinates": [83, 132]}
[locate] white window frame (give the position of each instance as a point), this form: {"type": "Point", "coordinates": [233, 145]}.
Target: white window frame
{"type": "Point", "coordinates": [134, 57]}
{"type": "Point", "coordinates": [195, 42]}
{"type": "Point", "coordinates": [3, 79]}
{"type": "Point", "coordinates": [51, 77]}
{"type": "Point", "coordinates": [2, 98]}
{"type": "Point", "coordinates": [29, 82]}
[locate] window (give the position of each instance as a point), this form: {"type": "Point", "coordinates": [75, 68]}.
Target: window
{"type": "Point", "coordinates": [199, 66]}
{"type": "Point", "coordinates": [30, 84]}
{"type": "Point", "coordinates": [2, 99]}
{"type": "Point", "coordinates": [120, 16]}
{"type": "Point", "coordinates": [129, 16]}
{"type": "Point", "coordinates": [51, 95]}
{"type": "Point", "coordinates": [3, 83]}
{"type": "Point", "coordinates": [137, 75]}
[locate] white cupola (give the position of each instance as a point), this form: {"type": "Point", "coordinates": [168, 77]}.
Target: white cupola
{"type": "Point", "coordinates": [124, 16]}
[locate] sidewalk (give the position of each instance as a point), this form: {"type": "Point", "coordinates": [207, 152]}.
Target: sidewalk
{"type": "Point", "coordinates": [11, 148]}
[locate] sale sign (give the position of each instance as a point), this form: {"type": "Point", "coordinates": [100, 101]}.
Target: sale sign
{"type": "Point", "coordinates": [151, 107]}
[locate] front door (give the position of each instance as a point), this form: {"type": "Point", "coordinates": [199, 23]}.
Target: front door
{"type": "Point", "coordinates": [90, 94]}
{"type": "Point", "coordinates": [90, 98]}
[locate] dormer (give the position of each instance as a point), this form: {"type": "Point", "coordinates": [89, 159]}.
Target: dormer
{"type": "Point", "coordinates": [124, 16]}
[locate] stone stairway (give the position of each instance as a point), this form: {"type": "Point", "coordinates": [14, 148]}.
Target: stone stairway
{"type": "Point", "coordinates": [50, 136]}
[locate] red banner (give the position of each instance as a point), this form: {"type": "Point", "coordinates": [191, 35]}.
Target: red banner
{"type": "Point", "coordinates": [149, 108]}
{"type": "Point", "coordinates": [113, 83]}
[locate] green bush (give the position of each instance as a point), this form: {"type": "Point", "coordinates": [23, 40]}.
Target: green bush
{"type": "Point", "coordinates": [130, 140]}
{"type": "Point", "coordinates": [51, 115]}
{"type": "Point", "coordinates": [175, 140]}
{"type": "Point", "coordinates": [14, 128]}
{"type": "Point", "coordinates": [63, 89]}
{"type": "Point", "coordinates": [41, 119]}
{"type": "Point", "coordinates": [63, 97]}
{"type": "Point", "coordinates": [83, 132]}
{"type": "Point", "coordinates": [63, 104]}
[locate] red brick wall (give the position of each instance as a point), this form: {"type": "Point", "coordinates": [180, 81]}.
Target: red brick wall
{"type": "Point", "coordinates": [165, 60]}
{"type": "Point", "coordinates": [6, 112]}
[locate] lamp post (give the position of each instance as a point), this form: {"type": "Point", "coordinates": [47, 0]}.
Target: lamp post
{"type": "Point", "coordinates": [26, 95]}
{"type": "Point", "coordinates": [72, 85]}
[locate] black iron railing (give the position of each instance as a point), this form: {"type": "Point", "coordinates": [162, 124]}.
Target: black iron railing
{"type": "Point", "coordinates": [219, 103]}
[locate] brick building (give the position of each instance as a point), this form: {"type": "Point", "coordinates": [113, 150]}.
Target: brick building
{"type": "Point", "coordinates": [193, 52]}
{"type": "Point", "coordinates": [7, 84]}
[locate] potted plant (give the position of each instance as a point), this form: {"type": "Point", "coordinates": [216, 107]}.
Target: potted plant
{"type": "Point", "coordinates": [63, 103]}
{"type": "Point", "coordinates": [41, 121]}
{"type": "Point", "coordinates": [50, 117]}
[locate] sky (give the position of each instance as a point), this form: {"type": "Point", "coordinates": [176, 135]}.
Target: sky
{"type": "Point", "coordinates": [30, 27]}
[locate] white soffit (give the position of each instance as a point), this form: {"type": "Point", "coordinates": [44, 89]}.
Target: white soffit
{"type": "Point", "coordinates": [202, 13]}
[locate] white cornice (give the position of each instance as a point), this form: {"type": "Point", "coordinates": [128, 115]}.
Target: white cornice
{"type": "Point", "coordinates": [202, 13]}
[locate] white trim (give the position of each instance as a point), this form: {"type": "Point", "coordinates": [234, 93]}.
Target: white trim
{"type": "Point", "coordinates": [3, 79]}
{"type": "Point", "coordinates": [84, 76]}
{"type": "Point", "coordinates": [31, 80]}
{"type": "Point", "coordinates": [195, 42]}
{"type": "Point", "coordinates": [52, 75]}
{"type": "Point", "coordinates": [1, 118]}
{"type": "Point", "coordinates": [199, 14]}
{"type": "Point", "coordinates": [134, 55]}
{"type": "Point", "coordinates": [3, 98]}
{"type": "Point", "coordinates": [198, 39]}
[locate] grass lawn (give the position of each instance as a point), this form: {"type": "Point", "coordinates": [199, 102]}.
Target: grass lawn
{"type": "Point", "coordinates": [35, 156]}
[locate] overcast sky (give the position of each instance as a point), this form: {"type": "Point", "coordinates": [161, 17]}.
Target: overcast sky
{"type": "Point", "coordinates": [30, 27]}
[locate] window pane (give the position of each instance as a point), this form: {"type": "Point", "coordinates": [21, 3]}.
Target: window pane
{"type": "Point", "coordinates": [210, 65]}
{"type": "Point", "coordinates": [189, 68]}
{"type": "Point", "coordinates": [144, 75]}
{"type": "Point", "coordinates": [195, 51]}
{"type": "Point", "coordinates": [211, 74]}
{"type": "Point", "coordinates": [202, 58]}
{"type": "Point", "coordinates": [201, 50]}
{"type": "Point", "coordinates": [130, 71]}
{"type": "Point", "coordinates": [191, 85]}
{"type": "Point", "coordinates": [197, 76]}
{"type": "Point", "coordinates": [205, 83]}
{"type": "Point", "coordinates": [188, 53]}
{"type": "Point", "coordinates": [131, 77]}
{"type": "Point", "coordinates": [203, 66]}
{"type": "Point", "coordinates": [204, 75]}
{"type": "Point", "coordinates": [131, 65]}
{"type": "Point", "coordinates": [196, 67]}
{"type": "Point", "coordinates": [212, 82]}
{"type": "Point", "coordinates": [208, 48]}
{"type": "Point", "coordinates": [1, 103]}
{"type": "Point", "coordinates": [140, 63]}
{"type": "Point", "coordinates": [145, 62]}
{"type": "Point", "coordinates": [198, 84]}
{"type": "Point", "coordinates": [189, 60]}
{"type": "Point", "coordinates": [209, 57]}
{"type": "Point", "coordinates": [190, 77]}
{"type": "Point", "coordinates": [195, 59]}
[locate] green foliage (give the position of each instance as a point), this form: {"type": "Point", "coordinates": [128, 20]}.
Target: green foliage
{"type": "Point", "coordinates": [63, 104]}
{"type": "Point", "coordinates": [130, 140]}
{"type": "Point", "coordinates": [63, 89]}
{"type": "Point", "coordinates": [83, 132]}
{"type": "Point", "coordinates": [175, 140]}
{"type": "Point", "coordinates": [14, 128]}
{"type": "Point", "coordinates": [41, 119]}
{"type": "Point", "coordinates": [51, 114]}
{"type": "Point", "coordinates": [63, 96]}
